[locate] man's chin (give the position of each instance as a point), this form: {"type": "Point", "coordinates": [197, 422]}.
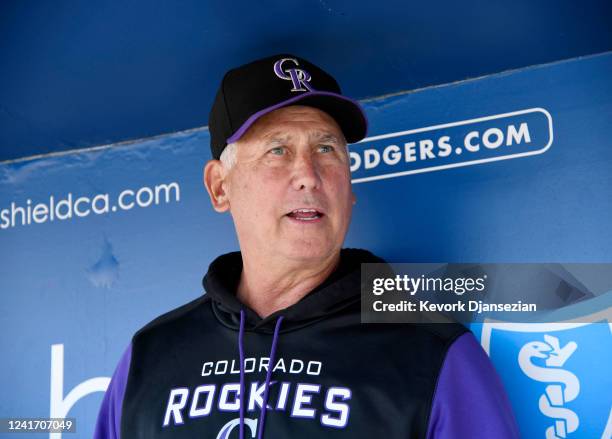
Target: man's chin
{"type": "Point", "coordinates": [308, 250]}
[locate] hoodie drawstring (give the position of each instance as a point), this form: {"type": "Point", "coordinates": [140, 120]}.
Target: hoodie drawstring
{"type": "Point", "coordinates": [262, 416]}
{"type": "Point", "coordinates": [241, 354]}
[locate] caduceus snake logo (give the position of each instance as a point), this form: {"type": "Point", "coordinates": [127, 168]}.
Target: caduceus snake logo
{"type": "Point", "coordinates": [565, 385]}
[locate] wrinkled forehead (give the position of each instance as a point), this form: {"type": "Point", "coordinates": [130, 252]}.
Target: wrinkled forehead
{"type": "Point", "coordinates": [294, 121]}
{"type": "Point", "coordinates": [281, 135]}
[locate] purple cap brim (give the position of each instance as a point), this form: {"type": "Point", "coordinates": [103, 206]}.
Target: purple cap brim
{"type": "Point", "coordinates": [245, 126]}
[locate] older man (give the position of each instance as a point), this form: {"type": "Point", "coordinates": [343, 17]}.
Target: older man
{"type": "Point", "coordinates": [276, 348]}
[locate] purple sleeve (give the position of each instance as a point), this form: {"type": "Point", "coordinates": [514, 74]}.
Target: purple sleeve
{"type": "Point", "coordinates": [108, 425]}
{"type": "Point", "coordinates": [470, 400]}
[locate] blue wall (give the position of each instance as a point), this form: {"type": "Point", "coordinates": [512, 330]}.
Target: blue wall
{"type": "Point", "coordinates": [77, 74]}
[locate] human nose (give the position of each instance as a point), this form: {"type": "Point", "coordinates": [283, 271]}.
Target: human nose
{"type": "Point", "coordinates": [305, 173]}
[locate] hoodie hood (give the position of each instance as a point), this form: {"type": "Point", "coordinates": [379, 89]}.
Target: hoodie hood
{"type": "Point", "coordinates": [340, 290]}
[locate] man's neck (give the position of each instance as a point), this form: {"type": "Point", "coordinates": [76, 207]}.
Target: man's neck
{"type": "Point", "coordinates": [268, 287]}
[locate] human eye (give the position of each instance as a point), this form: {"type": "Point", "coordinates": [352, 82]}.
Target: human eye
{"type": "Point", "coordinates": [326, 148]}
{"type": "Point", "coordinates": [277, 150]}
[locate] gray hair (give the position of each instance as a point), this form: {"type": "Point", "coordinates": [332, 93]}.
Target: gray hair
{"type": "Point", "coordinates": [228, 156]}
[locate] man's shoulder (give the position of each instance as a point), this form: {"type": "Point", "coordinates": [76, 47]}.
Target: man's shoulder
{"type": "Point", "coordinates": [441, 334]}
{"type": "Point", "coordinates": [175, 319]}
{"type": "Point", "coordinates": [429, 342]}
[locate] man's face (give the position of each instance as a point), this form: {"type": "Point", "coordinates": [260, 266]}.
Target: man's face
{"type": "Point", "coordinates": [289, 192]}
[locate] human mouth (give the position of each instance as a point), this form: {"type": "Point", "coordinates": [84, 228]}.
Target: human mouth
{"type": "Point", "coordinates": [305, 215]}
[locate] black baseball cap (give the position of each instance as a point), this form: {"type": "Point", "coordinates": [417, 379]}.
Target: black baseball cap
{"type": "Point", "coordinates": [250, 91]}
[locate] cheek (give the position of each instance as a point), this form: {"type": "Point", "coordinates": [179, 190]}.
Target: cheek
{"type": "Point", "coordinates": [338, 182]}
{"type": "Point", "coordinates": [339, 192]}
{"type": "Point", "coordinates": [258, 196]}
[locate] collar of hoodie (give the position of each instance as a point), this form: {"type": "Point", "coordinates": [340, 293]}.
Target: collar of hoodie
{"type": "Point", "coordinates": [340, 290]}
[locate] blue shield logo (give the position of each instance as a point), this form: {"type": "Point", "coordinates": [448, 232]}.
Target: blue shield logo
{"type": "Point", "coordinates": [557, 375]}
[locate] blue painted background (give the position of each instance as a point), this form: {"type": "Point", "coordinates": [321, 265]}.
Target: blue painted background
{"type": "Point", "coordinates": [77, 74]}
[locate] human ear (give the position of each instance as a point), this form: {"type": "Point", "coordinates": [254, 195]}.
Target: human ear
{"type": "Point", "coordinates": [215, 182]}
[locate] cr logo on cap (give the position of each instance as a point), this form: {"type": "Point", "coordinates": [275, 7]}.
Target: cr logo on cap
{"type": "Point", "coordinates": [300, 78]}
